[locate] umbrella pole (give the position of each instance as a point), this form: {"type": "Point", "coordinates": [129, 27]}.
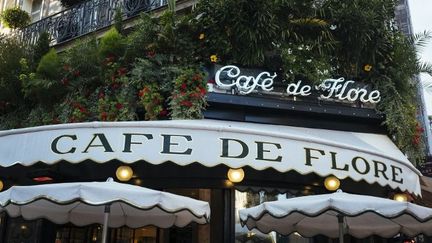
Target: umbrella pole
{"type": "Point", "coordinates": [105, 225]}
{"type": "Point", "coordinates": [341, 228]}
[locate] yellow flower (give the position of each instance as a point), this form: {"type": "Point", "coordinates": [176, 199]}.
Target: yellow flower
{"type": "Point", "coordinates": [201, 36]}
{"type": "Point", "coordinates": [213, 58]}
{"type": "Point", "coordinates": [367, 67]}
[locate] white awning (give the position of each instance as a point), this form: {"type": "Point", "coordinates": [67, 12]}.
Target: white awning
{"type": "Point", "coordinates": [360, 156]}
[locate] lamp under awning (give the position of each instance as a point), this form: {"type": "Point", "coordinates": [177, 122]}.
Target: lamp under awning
{"type": "Point", "coordinates": [359, 156]}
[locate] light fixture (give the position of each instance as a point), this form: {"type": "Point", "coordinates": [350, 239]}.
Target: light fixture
{"type": "Point", "coordinates": [124, 173]}
{"type": "Point", "coordinates": [400, 197]}
{"type": "Point", "coordinates": [235, 175]}
{"type": "Point", "coordinates": [42, 179]}
{"type": "Point", "coordinates": [1, 185]}
{"type": "Point", "coordinates": [331, 183]}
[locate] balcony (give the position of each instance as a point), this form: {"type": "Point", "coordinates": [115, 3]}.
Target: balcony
{"type": "Point", "coordinates": [85, 18]}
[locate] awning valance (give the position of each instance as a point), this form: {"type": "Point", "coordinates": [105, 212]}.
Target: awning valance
{"type": "Point", "coordinates": [360, 156]}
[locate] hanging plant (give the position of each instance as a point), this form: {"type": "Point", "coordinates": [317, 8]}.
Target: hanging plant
{"type": "Point", "coordinates": [188, 97]}
{"type": "Point", "coordinates": [152, 101]}
{"type": "Point", "coordinates": [15, 18]}
{"type": "Point", "coordinates": [115, 97]}
{"type": "Point", "coordinates": [76, 107]}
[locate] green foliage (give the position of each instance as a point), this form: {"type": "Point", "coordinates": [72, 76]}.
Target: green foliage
{"type": "Point", "coordinates": [394, 77]}
{"type": "Point", "coordinates": [359, 29]}
{"type": "Point", "coordinates": [41, 47]}
{"type": "Point", "coordinates": [43, 86]}
{"type": "Point", "coordinates": [143, 40]}
{"type": "Point", "coordinates": [112, 44]}
{"type": "Point", "coordinates": [303, 62]}
{"type": "Point", "coordinates": [49, 66]}
{"type": "Point", "coordinates": [15, 18]}
{"type": "Point", "coordinates": [170, 35]}
{"type": "Point", "coordinates": [152, 101]}
{"type": "Point", "coordinates": [77, 106]}
{"type": "Point", "coordinates": [188, 97]}
{"type": "Point", "coordinates": [154, 70]}
{"type": "Point", "coordinates": [82, 65]}
{"type": "Point", "coordinates": [118, 20]}
{"type": "Point", "coordinates": [243, 37]}
{"type": "Point", "coordinates": [116, 100]}
{"type": "Point", "coordinates": [11, 52]}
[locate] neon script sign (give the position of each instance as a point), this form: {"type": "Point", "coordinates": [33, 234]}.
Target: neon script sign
{"type": "Point", "coordinates": [230, 77]}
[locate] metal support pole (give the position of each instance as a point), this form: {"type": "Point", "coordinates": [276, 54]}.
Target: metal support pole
{"type": "Point", "coordinates": [341, 228]}
{"type": "Point", "coordinates": [105, 225]}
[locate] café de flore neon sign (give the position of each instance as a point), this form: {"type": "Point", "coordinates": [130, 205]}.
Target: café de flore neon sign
{"type": "Point", "coordinates": [230, 77]}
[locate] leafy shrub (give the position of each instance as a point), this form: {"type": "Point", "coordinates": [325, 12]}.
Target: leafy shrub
{"type": "Point", "coordinates": [11, 52]}
{"type": "Point", "coordinates": [118, 20]}
{"type": "Point", "coordinates": [15, 18]}
{"type": "Point", "coordinates": [188, 98]}
{"type": "Point", "coordinates": [44, 85]}
{"type": "Point", "coordinates": [41, 47]}
{"type": "Point", "coordinates": [144, 39]}
{"type": "Point", "coordinates": [112, 44]}
{"type": "Point", "coordinates": [82, 65]}
{"type": "Point", "coordinates": [50, 66]}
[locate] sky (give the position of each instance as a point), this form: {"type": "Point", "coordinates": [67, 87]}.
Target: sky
{"type": "Point", "coordinates": [421, 18]}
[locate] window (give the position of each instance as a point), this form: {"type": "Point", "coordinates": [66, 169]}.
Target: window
{"type": "Point", "coordinates": [36, 10]}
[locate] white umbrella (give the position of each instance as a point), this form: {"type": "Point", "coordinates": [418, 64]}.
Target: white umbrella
{"type": "Point", "coordinates": [109, 203]}
{"type": "Point", "coordinates": [338, 213]}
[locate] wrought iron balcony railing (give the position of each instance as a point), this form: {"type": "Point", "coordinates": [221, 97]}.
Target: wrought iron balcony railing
{"type": "Point", "coordinates": [85, 18]}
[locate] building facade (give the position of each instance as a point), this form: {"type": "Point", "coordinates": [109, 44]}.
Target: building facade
{"type": "Point", "coordinates": [287, 138]}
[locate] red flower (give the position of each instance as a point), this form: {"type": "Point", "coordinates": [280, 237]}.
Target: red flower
{"type": "Point", "coordinates": [156, 100]}
{"type": "Point", "coordinates": [65, 81]}
{"type": "Point", "coordinates": [151, 54]}
{"type": "Point", "coordinates": [141, 93]}
{"type": "Point", "coordinates": [82, 109]}
{"type": "Point", "coordinates": [118, 106]}
{"type": "Point", "coordinates": [115, 85]}
{"type": "Point", "coordinates": [186, 103]}
{"type": "Point", "coordinates": [55, 121]}
{"type": "Point", "coordinates": [203, 91]}
{"type": "Point", "coordinates": [77, 73]}
{"type": "Point", "coordinates": [76, 105]}
{"type": "Point", "coordinates": [196, 77]}
{"type": "Point", "coordinates": [163, 113]}
{"type": "Point", "coordinates": [122, 71]}
{"type": "Point", "coordinates": [419, 128]}
{"type": "Point", "coordinates": [194, 95]}
{"type": "Point", "coordinates": [103, 116]}
{"type": "Point", "coordinates": [183, 86]}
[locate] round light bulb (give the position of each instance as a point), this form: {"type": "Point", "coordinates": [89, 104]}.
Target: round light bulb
{"type": "Point", "coordinates": [400, 197]}
{"type": "Point", "coordinates": [331, 183]}
{"type": "Point", "coordinates": [235, 175]}
{"type": "Point", "coordinates": [124, 173]}
{"type": "Point", "coordinates": [1, 185]}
